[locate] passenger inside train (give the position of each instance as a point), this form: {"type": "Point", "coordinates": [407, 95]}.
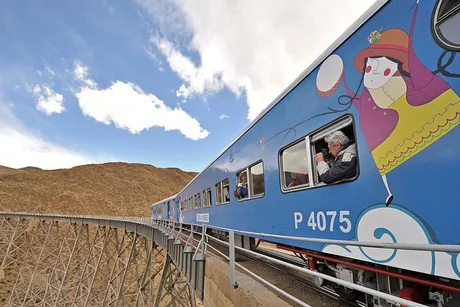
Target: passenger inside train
{"type": "Point", "coordinates": [298, 179]}
{"type": "Point", "coordinates": [342, 164]}
{"type": "Point", "coordinates": [226, 194]}
{"type": "Point", "coordinates": [241, 190]}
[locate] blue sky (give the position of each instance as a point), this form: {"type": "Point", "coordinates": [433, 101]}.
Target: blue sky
{"type": "Point", "coordinates": [164, 82]}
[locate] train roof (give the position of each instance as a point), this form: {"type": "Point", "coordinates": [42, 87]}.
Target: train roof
{"type": "Point", "coordinates": [163, 200]}
{"type": "Point", "coordinates": [374, 8]}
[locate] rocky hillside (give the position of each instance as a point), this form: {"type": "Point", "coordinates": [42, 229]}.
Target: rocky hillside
{"type": "Point", "coordinates": [102, 189]}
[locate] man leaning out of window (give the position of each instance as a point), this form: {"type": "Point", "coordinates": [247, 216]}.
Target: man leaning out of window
{"type": "Point", "coordinates": [343, 164]}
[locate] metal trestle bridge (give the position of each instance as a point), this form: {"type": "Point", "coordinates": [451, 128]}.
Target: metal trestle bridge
{"type": "Point", "coordinates": [67, 260]}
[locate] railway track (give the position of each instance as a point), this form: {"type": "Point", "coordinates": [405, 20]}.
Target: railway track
{"type": "Point", "coordinates": [324, 290]}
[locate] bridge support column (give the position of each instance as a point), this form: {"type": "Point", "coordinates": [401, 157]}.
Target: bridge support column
{"type": "Point", "coordinates": [174, 287]}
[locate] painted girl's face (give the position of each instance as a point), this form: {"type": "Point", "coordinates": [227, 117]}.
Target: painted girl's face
{"type": "Point", "coordinates": [378, 72]}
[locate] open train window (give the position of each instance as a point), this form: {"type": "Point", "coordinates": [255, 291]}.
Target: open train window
{"type": "Point", "coordinates": [445, 22]}
{"type": "Point", "coordinates": [207, 198]}
{"type": "Point", "coordinates": [297, 160]}
{"type": "Point", "coordinates": [251, 180]}
{"type": "Point", "coordinates": [223, 192]}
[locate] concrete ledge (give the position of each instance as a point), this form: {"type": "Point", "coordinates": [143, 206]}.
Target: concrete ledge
{"type": "Point", "coordinates": [250, 293]}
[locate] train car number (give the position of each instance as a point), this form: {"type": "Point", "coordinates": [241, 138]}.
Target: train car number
{"type": "Point", "coordinates": [321, 220]}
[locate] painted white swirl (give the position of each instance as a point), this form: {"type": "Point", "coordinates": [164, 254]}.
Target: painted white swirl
{"type": "Point", "coordinates": [392, 224]}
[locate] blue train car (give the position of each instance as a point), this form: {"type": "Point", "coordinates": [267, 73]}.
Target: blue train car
{"type": "Point", "coordinates": [166, 209]}
{"type": "Point", "coordinates": [391, 85]}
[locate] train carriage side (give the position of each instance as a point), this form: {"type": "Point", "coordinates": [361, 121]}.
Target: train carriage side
{"type": "Point", "coordinates": [392, 87]}
{"type": "Point", "coordinates": [166, 209]}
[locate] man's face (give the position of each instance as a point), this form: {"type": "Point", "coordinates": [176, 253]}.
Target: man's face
{"type": "Point", "coordinates": [334, 148]}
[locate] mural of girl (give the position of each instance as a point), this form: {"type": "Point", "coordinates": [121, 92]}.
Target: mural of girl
{"type": "Point", "coordinates": [404, 107]}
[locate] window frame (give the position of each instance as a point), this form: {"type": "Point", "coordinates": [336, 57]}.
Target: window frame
{"type": "Point", "coordinates": [249, 179]}
{"type": "Point", "coordinates": [222, 192]}
{"type": "Point", "coordinates": [339, 123]}
{"type": "Point", "coordinates": [436, 20]}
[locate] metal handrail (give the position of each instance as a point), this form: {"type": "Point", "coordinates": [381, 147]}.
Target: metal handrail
{"type": "Point", "coordinates": [147, 221]}
{"type": "Point", "coordinates": [341, 282]}
{"type": "Point", "coordinates": [404, 246]}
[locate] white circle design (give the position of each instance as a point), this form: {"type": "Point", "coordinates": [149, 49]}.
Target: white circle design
{"type": "Point", "coordinates": [329, 75]}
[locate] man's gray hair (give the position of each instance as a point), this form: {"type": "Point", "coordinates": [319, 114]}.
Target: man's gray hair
{"type": "Point", "coordinates": [336, 137]}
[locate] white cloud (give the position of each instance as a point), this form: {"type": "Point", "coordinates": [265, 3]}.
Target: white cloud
{"type": "Point", "coordinates": [222, 116]}
{"type": "Point", "coordinates": [198, 80]}
{"type": "Point", "coordinates": [152, 56]}
{"type": "Point", "coordinates": [21, 147]}
{"type": "Point", "coordinates": [129, 108]}
{"type": "Point", "coordinates": [256, 47]}
{"type": "Point", "coordinates": [48, 101]}
{"type": "Point", "coordinates": [49, 71]}
{"type": "Point", "coordinates": [81, 74]}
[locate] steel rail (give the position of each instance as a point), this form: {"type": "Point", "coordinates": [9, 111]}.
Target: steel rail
{"type": "Point", "coordinates": [321, 289]}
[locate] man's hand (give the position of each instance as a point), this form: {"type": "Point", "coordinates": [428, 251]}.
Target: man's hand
{"type": "Point", "coordinates": [319, 157]}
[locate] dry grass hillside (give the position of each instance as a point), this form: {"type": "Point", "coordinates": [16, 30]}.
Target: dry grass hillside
{"type": "Point", "coordinates": [102, 189]}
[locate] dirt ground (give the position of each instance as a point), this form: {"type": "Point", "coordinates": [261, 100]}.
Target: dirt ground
{"type": "Point", "coordinates": [119, 189]}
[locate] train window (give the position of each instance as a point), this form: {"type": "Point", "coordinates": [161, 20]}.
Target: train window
{"type": "Point", "coordinates": [160, 212]}
{"type": "Point", "coordinates": [219, 193]}
{"type": "Point", "coordinates": [318, 144]}
{"type": "Point", "coordinates": [295, 166]}
{"type": "Point", "coordinates": [252, 178]}
{"type": "Point", "coordinates": [226, 190]}
{"type": "Point", "coordinates": [222, 192]}
{"type": "Point", "coordinates": [445, 22]}
{"type": "Point", "coordinates": [197, 201]}
{"type": "Point", "coordinates": [257, 179]}
{"type": "Point", "coordinates": [207, 198]}
{"type": "Point", "coordinates": [190, 204]}
{"type": "Point", "coordinates": [298, 164]}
